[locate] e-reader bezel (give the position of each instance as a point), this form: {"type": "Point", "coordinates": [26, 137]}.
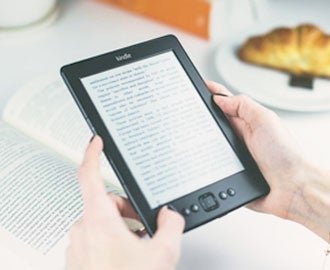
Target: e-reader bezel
{"type": "Point", "coordinates": [248, 184]}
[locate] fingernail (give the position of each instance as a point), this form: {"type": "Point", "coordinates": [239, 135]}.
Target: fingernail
{"type": "Point", "coordinates": [171, 207]}
{"type": "Point", "coordinates": [141, 232]}
{"type": "Point", "coordinates": [218, 94]}
{"type": "Point", "coordinates": [92, 138]}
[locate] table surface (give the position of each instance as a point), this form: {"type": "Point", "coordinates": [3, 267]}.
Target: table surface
{"type": "Point", "coordinates": [241, 240]}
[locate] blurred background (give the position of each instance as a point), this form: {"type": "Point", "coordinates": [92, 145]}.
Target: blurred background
{"type": "Point", "coordinates": [49, 33]}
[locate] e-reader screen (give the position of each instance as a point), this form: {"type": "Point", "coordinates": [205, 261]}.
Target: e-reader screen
{"type": "Point", "coordinates": [166, 134]}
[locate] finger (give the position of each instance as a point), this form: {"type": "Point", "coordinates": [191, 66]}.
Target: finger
{"type": "Point", "coordinates": [77, 223]}
{"type": "Point", "coordinates": [170, 227]}
{"type": "Point", "coordinates": [99, 210]}
{"type": "Point", "coordinates": [216, 88]}
{"type": "Point", "coordinates": [238, 124]}
{"type": "Point", "coordinates": [73, 250]}
{"type": "Point", "coordinates": [242, 107]}
{"type": "Point", "coordinates": [124, 207]}
{"type": "Point", "coordinates": [93, 153]}
{"type": "Point", "coordinates": [256, 206]}
{"type": "Point", "coordinates": [90, 181]}
{"type": "Point", "coordinates": [69, 260]}
{"type": "Point", "coordinates": [73, 258]}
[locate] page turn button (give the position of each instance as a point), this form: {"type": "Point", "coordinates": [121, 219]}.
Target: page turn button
{"type": "Point", "coordinates": [208, 202]}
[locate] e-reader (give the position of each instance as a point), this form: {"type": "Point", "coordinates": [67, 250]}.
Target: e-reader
{"type": "Point", "coordinates": [167, 141]}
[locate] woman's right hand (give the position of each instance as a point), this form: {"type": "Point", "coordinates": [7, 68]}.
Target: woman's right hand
{"type": "Point", "coordinates": [299, 191]}
{"type": "Point", "coordinates": [101, 240]}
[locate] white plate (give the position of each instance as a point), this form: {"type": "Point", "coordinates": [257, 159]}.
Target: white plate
{"type": "Point", "coordinates": [268, 86]}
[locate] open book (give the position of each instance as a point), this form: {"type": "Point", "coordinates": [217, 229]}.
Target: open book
{"type": "Point", "coordinates": [43, 137]}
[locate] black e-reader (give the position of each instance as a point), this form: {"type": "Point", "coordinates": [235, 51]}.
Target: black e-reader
{"type": "Point", "coordinates": [167, 141]}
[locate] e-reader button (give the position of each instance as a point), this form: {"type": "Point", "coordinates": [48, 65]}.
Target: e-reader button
{"type": "Point", "coordinates": [186, 212]}
{"type": "Point", "coordinates": [194, 208]}
{"type": "Point", "coordinates": [208, 202]}
{"type": "Point", "coordinates": [231, 192]}
{"type": "Point", "coordinates": [223, 195]}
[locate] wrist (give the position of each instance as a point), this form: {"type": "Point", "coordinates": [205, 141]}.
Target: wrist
{"type": "Point", "coordinates": [310, 205]}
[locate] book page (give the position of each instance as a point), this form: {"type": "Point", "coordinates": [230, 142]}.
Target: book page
{"type": "Point", "coordinates": [39, 195]}
{"type": "Point", "coordinates": [45, 110]}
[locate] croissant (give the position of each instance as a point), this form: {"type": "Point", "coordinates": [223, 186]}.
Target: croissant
{"type": "Point", "coordinates": [303, 50]}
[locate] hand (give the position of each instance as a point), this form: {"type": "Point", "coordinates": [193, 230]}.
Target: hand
{"type": "Point", "coordinates": [270, 144]}
{"type": "Point", "coordinates": [101, 239]}
{"type": "Point", "coordinates": [297, 187]}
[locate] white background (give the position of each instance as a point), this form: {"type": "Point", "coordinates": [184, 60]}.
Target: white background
{"type": "Point", "coordinates": [241, 240]}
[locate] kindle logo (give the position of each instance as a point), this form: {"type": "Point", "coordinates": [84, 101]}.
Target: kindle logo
{"type": "Point", "coordinates": [123, 57]}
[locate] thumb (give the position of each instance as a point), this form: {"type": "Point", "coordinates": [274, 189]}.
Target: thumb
{"type": "Point", "coordinates": [242, 107]}
{"type": "Point", "coordinates": [170, 228]}
{"type": "Point", "coordinates": [90, 181]}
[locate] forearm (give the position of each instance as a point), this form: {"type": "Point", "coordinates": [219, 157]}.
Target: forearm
{"type": "Point", "coordinates": [310, 205]}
